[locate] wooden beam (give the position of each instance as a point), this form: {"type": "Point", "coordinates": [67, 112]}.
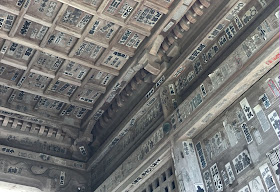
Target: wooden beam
{"type": "Point", "coordinates": [86, 9]}
{"type": "Point", "coordinates": [91, 11]}
{"type": "Point", "coordinates": [87, 29]}
{"type": "Point", "coordinates": [130, 16]}
{"type": "Point", "coordinates": [25, 73]}
{"type": "Point", "coordinates": [4, 48]}
{"type": "Point", "coordinates": [53, 160]}
{"type": "Point", "coordinates": [68, 31]}
{"type": "Point", "coordinates": [102, 6]}
{"type": "Point", "coordinates": [56, 77]}
{"type": "Point", "coordinates": [57, 98]}
{"type": "Point", "coordinates": [13, 63]}
{"type": "Point", "coordinates": [99, 88]}
{"type": "Point", "coordinates": [118, 35]}
{"type": "Point", "coordinates": [137, 55]}
{"type": "Point", "coordinates": [9, 9]}
{"type": "Point", "coordinates": [19, 18]}
{"type": "Point", "coordinates": [39, 72]}
{"type": "Point", "coordinates": [102, 44]}
{"type": "Point", "coordinates": [28, 68]}
{"type": "Point", "coordinates": [29, 43]}
{"type": "Point", "coordinates": [156, 7]}
{"type": "Point", "coordinates": [58, 124]}
{"type": "Point", "coordinates": [52, 28]}
{"type": "Point", "coordinates": [37, 20]}
{"type": "Point", "coordinates": [83, 36]}
{"type": "Point", "coordinates": [73, 82]}
{"type": "Point", "coordinates": [53, 122]}
{"type": "Point", "coordinates": [173, 11]}
{"type": "Point", "coordinates": [156, 45]}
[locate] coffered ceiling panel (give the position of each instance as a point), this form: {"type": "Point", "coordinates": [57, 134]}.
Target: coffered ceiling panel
{"type": "Point", "coordinates": [47, 63]}
{"type": "Point", "coordinates": [31, 31]}
{"type": "Point", "coordinates": [100, 78]}
{"type": "Point", "coordinates": [61, 41]}
{"type": "Point", "coordinates": [9, 73]}
{"type": "Point", "coordinates": [74, 71]}
{"type": "Point", "coordinates": [89, 51]}
{"type": "Point", "coordinates": [45, 10]}
{"type": "Point", "coordinates": [115, 59]}
{"type": "Point", "coordinates": [6, 20]}
{"type": "Point", "coordinates": [120, 9]}
{"type": "Point", "coordinates": [16, 5]}
{"type": "Point", "coordinates": [36, 82]}
{"type": "Point", "coordinates": [146, 17]}
{"type": "Point", "coordinates": [19, 53]}
{"type": "Point", "coordinates": [102, 31]}
{"type": "Point", "coordinates": [74, 19]}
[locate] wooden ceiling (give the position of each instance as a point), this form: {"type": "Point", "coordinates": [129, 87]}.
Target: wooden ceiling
{"type": "Point", "coordinates": [58, 57]}
{"type": "Point", "coordinates": [63, 62]}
